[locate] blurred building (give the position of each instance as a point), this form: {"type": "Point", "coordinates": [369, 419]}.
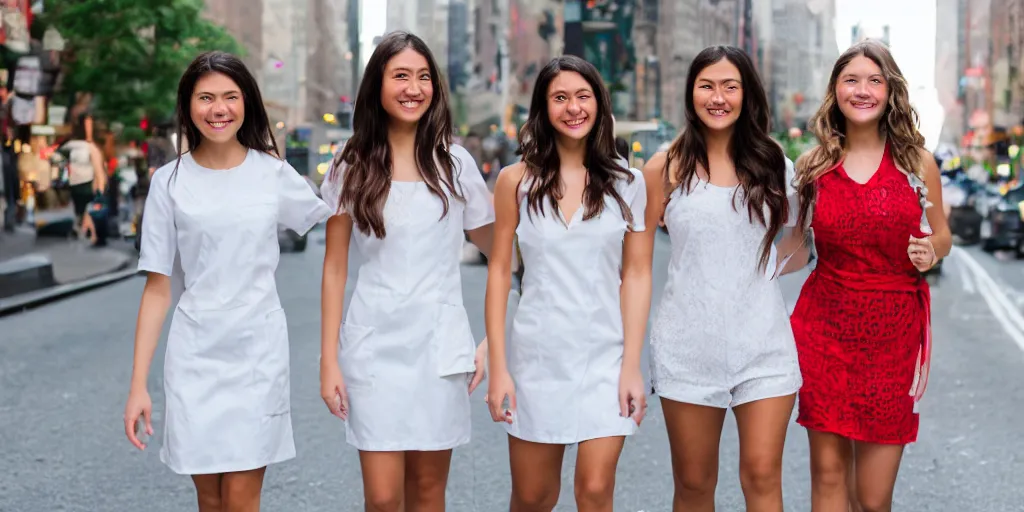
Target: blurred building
{"type": "Point", "coordinates": [803, 52]}
{"type": "Point", "coordinates": [860, 32]}
{"type": "Point", "coordinates": [950, 62]}
{"type": "Point", "coordinates": [243, 19]}
{"type": "Point", "coordinates": [428, 19]}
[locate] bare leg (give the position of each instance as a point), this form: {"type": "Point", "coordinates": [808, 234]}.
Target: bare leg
{"type": "Point", "coordinates": [426, 478]}
{"type": "Point", "coordinates": [694, 435]}
{"type": "Point", "coordinates": [596, 461]}
{"type": "Point", "coordinates": [240, 491]}
{"type": "Point", "coordinates": [762, 427]}
{"type": "Point", "coordinates": [536, 475]}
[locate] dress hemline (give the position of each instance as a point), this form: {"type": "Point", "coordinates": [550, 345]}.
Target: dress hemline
{"type": "Point", "coordinates": [855, 436]}
{"type": "Point", "coordinates": [228, 468]}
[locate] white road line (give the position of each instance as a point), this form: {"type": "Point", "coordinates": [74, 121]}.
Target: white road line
{"type": "Point", "coordinates": [1005, 312]}
{"type": "Point", "coordinates": [965, 276]}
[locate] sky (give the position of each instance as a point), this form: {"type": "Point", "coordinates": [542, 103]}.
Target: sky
{"type": "Point", "coordinates": [912, 32]}
{"type": "Point", "coordinates": [373, 21]}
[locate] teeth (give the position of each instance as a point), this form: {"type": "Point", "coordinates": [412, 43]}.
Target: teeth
{"type": "Point", "coordinates": [576, 122]}
{"type": "Point", "coordinates": [410, 104]}
{"type": "Point", "coordinates": [716, 112]}
{"type": "Point", "coordinates": [220, 124]}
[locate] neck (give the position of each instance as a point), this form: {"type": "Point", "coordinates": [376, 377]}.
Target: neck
{"type": "Point", "coordinates": [571, 153]}
{"type": "Point", "coordinates": [718, 142]}
{"type": "Point", "coordinates": [863, 136]}
{"type": "Point", "coordinates": [222, 155]}
{"type": "Point", "coordinates": [402, 137]}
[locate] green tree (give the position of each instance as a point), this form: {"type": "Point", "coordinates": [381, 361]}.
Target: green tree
{"type": "Point", "coordinates": [131, 53]}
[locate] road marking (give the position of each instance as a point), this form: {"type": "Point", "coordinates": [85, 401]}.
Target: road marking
{"type": "Point", "coordinates": [965, 277]}
{"type": "Point", "coordinates": [1005, 312]}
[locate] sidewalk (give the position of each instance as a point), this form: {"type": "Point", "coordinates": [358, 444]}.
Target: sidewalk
{"type": "Point", "coordinates": [39, 269]}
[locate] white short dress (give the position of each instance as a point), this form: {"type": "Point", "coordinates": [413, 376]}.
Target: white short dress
{"type": "Point", "coordinates": [406, 346]}
{"type": "Point", "coordinates": [721, 335]}
{"type": "Point", "coordinates": [226, 370]}
{"type": "Point", "coordinates": [566, 345]}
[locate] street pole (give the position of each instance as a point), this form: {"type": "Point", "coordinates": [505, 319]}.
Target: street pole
{"type": "Point", "coordinates": [503, 20]}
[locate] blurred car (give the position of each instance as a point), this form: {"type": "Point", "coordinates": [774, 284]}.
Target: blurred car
{"type": "Point", "coordinates": [1003, 226]}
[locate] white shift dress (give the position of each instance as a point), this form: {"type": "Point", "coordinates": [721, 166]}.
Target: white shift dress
{"type": "Point", "coordinates": [721, 335]}
{"type": "Point", "coordinates": [226, 369]}
{"type": "Point", "coordinates": [566, 345]}
{"type": "Point", "coordinates": [406, 346]}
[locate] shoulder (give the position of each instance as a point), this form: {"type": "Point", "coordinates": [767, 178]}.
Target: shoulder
{"type": "Point", "coordinates": [162, 176]}
{"type": "Point", "coordinates": [929, 166]}
{"type": "Point", "coordinates": [461, 154]}
{"type": "Point", "coordinates": [656, 163]}
{"type": "Point", "coordinates": [270, 162]}
{"type": "Point", "coordinates": [510, 177]}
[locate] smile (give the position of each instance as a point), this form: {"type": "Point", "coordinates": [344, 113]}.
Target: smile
{"type": "Point", "coordinates": [218, 125]}
{"type": "Point", "coordinates": [718, 112]}
{"type": "Point", "coordinates": [862, 105]}
{"type": "Point", "coordinates": [411, 105]}
{"type": "Point", "coordinates": [576, 123]}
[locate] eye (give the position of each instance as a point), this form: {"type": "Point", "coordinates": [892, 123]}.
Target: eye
{"type": "Point", "coordinates": [584, 96]}
{"type": "Point", "coordinates": [401, 76]}
{"type": "Point", "coordinates": [559, 97]}
{"type": "Point", "coordinates": [425, 76]}
{"type": "Point", "coordinates": [877, 80]}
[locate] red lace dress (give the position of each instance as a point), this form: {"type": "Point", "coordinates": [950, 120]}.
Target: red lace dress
{"type": "Point", "coordinates": [862, 320]}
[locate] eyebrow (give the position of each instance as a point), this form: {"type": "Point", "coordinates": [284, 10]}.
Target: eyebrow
{"type": "Point", "coordinates": [225, 93]}
{"type": "Point", "coordinates": [562, 91]}
{"type": "Point", "coordinates": [855, 75]}
{"type": "Point", "coordinates": [409, 70]}
{"type": "Point", "coordinates": [724, 80]}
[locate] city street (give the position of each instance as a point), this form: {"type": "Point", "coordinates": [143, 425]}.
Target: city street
{"type": "Point", "coordinates": [65, 367]}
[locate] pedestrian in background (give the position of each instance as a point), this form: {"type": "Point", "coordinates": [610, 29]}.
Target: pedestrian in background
{"type": "Point", "coordinates": [212, 218]}
{"type": "Point", "coordinates": [871, 195]}
{"type": "Point", "coordinates": [400, 368]}
{"type": "Point", "coordinates": [571, 367]}
{"type": "Point", "coordinates": [721, 337]}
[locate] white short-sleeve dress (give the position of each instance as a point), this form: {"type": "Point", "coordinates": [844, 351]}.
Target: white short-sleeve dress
{"type": "Point", "coordinates": [721, 335]}
{"type": "Point", "coordinates": [406, 346]}
{"type": "Point", "coordinates": [226, 369]}
{"type": "Point", "coordinates": [566, 345]}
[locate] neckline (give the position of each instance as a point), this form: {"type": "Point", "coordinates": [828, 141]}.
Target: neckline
{"type": "Point", "coordinates": [197, 165]}
{"type": "Point", "coordinates": [874, 175]}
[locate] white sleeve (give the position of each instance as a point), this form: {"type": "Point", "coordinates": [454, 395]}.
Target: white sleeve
{"type": "Point", "coordinates": [298, 207]}
{"type": "Point", "coordinates": [637, 200]}
{"type": "Point", "coordinates": [159, 245]}
{"type": "Point", "coordinates": [792, 195]}
{"type": "Point", "coordinates": [330, 189]}
{"type": "Point", "coordinates": [479, 205]}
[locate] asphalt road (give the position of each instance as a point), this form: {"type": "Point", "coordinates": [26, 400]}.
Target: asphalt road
{"type": "Point", "coordinates": [64, 371]}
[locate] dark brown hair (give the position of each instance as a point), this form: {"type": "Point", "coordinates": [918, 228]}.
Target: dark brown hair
{"type": "Point", "coordinates": [366, 158]}
{"type": "Point", "coordinates": [537, 145]}
{"type": "Point", "coordinates": [759, 160]}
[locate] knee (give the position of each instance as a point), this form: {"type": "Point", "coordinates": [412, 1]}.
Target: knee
{"type": "Point", "coordinates": [595, 490]}
{"type": "Point", "coordinates": [828, 475]}
{"type": "Point", "coordinates": [384, 501]}
{"type": "Point", "coordinates": [761, 476]}
{"type": "Point", "coordinates": [427, 488]}
{"type": "Point", "coordinates": [697, 481]}
{"type": "Point", "coordinates": [873, 503]}
{"type": "Point", "coordinates": [209, 501]}
{"type": "Point", "coordinates": [541, 498]}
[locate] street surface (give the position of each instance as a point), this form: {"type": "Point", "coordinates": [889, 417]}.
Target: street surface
{"type": "Point", "coordinates": [64, 372]}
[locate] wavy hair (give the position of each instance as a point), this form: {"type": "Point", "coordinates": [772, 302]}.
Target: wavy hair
{"type": "Point", "coordinates": [540, 154]}
{"type": "Point", "coordinates": [898, 125]}
{"type": "Point", "coordinates": [760, 162]}
{"type": "Point", "coordinates": [366, 157]}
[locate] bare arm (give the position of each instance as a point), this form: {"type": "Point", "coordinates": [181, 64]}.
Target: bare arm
{"type": "Point", "coordinates": [483, 238]}
{"type": "Point", "coordinates": [499, 267]}
{"type": "Point", "coordinates": [332, 287]}
{"type": "Point", "coordinates": [637, 260]}
{"type": "Point", "coordinates": [99, 180]}
{"type": "Point", "coordinates": [941, 237]}
{"type": "Point", "coordinates": [156, 298]}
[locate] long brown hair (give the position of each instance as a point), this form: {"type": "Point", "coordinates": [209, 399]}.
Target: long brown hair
{"type": "Point", "coordinates": [537, 145]}
{"type": "Point", "coordinates": [898, 125]}
{"type": "Point", "coordinates": [366, 158]}
{"type": "Point", "coordinates": [759, 161]}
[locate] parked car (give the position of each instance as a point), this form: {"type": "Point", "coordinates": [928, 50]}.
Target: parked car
{"type": "Point", "coordinates": [1003, 227]}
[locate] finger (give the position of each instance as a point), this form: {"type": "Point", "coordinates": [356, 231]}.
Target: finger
{"type": "Point", "coordinates": [343, 399]}
{"type": "Point", "coordinates": [511, 407]}
{"type": "Point", "coordinates": [478, 377]}
{"type": "Point", "coordinates": [129, 431]}
{"type": "Point", "coordinates": [495, 406]}
{"type": "Point", "coordinates": [147, 415]}
{"type": "Point", "coordinates": [624, 404]}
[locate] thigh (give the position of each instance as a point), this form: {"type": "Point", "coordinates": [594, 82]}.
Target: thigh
{"type": "Point", "coordinates": [428, 470]}
{"type": "Point", "coordinates": [694, 434]}
{"type": "Point", "coordinates": [383, 476]}
{"type": "Point", "coordinates": [762, 428]}
{"type": "Point", "coordinates": [208, 492]}
{"type": "Point", "coordinates": [831, 459]}
{"type": "Point", "coordinates": [536, 468]}
{"type": "Point", "coordinates": [240, 491]}
{"type": "Point", "coordinates": [877, 466]}
{"type": "Point", "coordinates": [596, 461]}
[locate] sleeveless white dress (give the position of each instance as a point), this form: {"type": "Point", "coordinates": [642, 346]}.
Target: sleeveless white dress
{"type": "Point", "coordinates": [721, 335]}
{"type": "Point", "coordinates": [566, 344]}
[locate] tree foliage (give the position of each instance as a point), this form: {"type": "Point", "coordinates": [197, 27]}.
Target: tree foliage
{"type": "Point", "coordinates": [131, 53]}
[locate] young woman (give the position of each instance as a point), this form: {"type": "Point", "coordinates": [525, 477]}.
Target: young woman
{"type": "Point", "coordinates": [406, 198]}
{"type": "Point", "coordinates": [721, 336]}
{"type": "Point", "coordinates": [211, 219]}
{"type": "Point", "coordinates": [872, 197]}
{"type": "Point", "coordinates": [572, 369]}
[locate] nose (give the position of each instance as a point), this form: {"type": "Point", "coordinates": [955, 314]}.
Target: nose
{"type": "Point", "coordinates": [716, 97]}
{"type": "Point", "coordinates": [861, 89]}
{"type": "Point", "coordinates": [414, 88]}
{"type": "Point", "coordinates": [573, 107]}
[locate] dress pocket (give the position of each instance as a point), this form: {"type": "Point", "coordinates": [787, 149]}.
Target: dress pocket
{"type": "Point", "coordinates": [453, 344]}
{"type": "Point", "coordinates": [356, 357]}
{"type": "Point", "coordinates": [272, 368]}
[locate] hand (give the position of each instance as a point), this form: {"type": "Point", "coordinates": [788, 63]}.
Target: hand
{"type": "Point", "coordinates": [922, 254]}
{"type": "Point", "coordinates": [632, 399]}
{"type": "Point", "coordinates": [498, 387]}
{"type": "Point", "coordinates": [138, 405]}
{"type": "Point", "coordinates": [332, 390]}
{"type": "Point", "coordinates": [481, 366]}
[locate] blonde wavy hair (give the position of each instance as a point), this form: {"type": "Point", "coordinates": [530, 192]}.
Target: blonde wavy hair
{"type": "Point", "coordinates": [898, 125]}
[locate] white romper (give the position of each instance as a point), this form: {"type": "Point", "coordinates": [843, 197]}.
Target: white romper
{"type": "Point", "coordinates": [407, 350]}
{"type": "Point", "coordinates": [566, 345]}
{"type": "Point", "coordinates": [226, 370]}
{"type": "Point", "coordinates": [721, 335]}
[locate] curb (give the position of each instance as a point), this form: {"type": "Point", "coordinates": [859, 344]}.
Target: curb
{"type": "Point", "coordinates": [22, 302]}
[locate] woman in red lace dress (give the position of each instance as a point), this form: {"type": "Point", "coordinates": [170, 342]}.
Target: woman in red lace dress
{"type": "Point", "coordinates": [870, 204]}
